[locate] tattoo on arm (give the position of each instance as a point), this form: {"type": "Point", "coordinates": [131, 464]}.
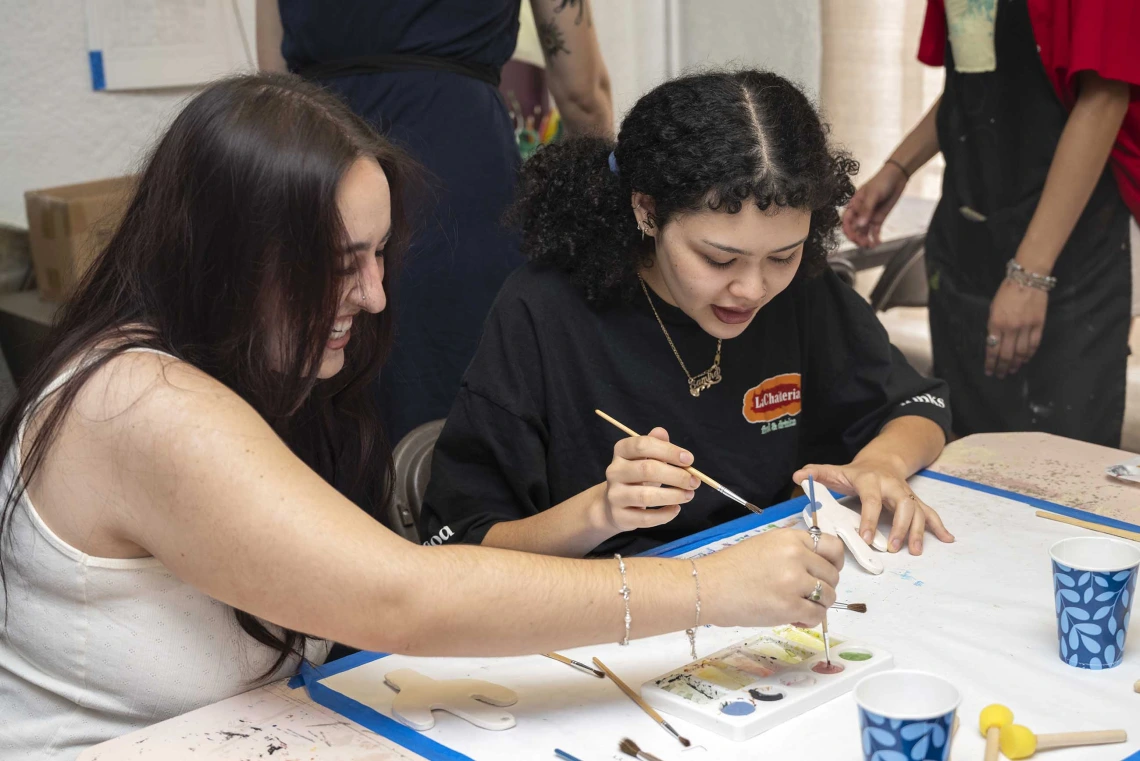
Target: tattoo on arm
{"type": "Point", "coordinates": [579, 4]}
{"type": "Point", "coordinates": [552, 39]}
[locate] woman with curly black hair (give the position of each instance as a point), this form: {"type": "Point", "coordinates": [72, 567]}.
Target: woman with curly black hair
{"type": "Point", "coordinates": [679, 278]}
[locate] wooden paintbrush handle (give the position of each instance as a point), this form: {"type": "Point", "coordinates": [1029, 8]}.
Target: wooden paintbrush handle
{"type": "Point", "coordinates": [1074, 739]}
{"type": "Point", "coordinates": [629, 693]}
{"type": "Point", "coordinates": [630, 432]}
{"type": "Point", "coordinates": [1123, 534]}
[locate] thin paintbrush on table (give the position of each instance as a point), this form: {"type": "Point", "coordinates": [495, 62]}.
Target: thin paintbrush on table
{"type": "Point", "coordinates": [692, 471]}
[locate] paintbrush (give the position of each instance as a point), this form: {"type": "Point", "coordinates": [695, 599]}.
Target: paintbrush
{"type": "Point", "coordinates": [854, 607]}
{"type": "Point", "coordinates": [576, 664]}
{"type": "Point", "coordinates": [641, 703]}
{"type": "Point", "coordinates": [1123, 534]}
{"type": "Point", "coordinates": [629, 748]}
{"type": "Point", "coordinates": [692, 471]}
{"type": "Point", "coordinates": [815, 532]}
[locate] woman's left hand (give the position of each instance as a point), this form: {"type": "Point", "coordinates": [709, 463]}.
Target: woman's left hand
{"type": "Point", "coordinates": [879, 485]}
{"type": "Point", "coordinates": [1017, 320]}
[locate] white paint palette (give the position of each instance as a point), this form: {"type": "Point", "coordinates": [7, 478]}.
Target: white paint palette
{"type": "Point", "coordinates": [750, 687]}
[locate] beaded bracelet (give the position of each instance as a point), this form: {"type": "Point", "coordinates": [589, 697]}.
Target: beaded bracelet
{"type": "Point", "coordinates": [1022, 276]}
{"type": "Point", "coordinates": [624, 592]}
{"type": "Point", "coordinates": [693, 632]}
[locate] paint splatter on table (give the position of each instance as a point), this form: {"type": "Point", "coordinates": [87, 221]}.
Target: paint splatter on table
{"type": "Point", "coordinates": [1052, 468]}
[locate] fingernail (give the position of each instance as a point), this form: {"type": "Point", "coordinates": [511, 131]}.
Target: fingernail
{"type": "Point", "coordinates": [689, 495]}
{"type": "Point", "coordinates": [895, 545]}
{"type": "Point", "coordinates": [868, 537]}
{"type": "Point", "coordinates": [686, 457]}
{"type": "Point", "coordinates": [694, 482]}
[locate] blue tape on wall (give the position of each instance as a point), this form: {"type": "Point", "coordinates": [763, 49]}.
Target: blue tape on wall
{"type": "Point", "coordinates": [98, 77]}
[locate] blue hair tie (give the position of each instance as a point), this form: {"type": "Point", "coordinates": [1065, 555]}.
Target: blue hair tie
{"type": "Point", "coordinates": [613, 163]}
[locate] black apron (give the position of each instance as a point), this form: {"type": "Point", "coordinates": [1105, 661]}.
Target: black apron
{"type": "Point", "coordinates": [998, 132]}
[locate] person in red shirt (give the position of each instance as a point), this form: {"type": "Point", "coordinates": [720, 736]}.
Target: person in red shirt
{"type": "Point", "coordinates": [1028, 251]}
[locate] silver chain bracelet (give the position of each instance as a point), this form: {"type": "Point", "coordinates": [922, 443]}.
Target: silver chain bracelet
{"type": "Point", "coordinates": [624, 592]}
{"type": "Point", "coordinates": [693, 632]}
{"type": "Point", "coordinates": [1023, 277]}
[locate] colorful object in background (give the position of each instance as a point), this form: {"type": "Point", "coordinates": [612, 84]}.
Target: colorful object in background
{"type": "Point", "coordinates": [993, 720]}
{"type": "Point", "coordinates": [542, 126]}
{"type": "Point", "coordinates": [907, 715]}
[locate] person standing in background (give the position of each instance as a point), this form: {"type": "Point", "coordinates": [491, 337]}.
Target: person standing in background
{"type": "Point", "coordinates": [425, 73]}
{"type": "Point", "coordinates": [1028, 251]}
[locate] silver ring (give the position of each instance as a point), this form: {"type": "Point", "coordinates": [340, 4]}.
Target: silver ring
{"type": "Point", "coordinates": [815, 542]}
{"type": "Point", "coordinates": [992, 340]}
{"type": "Point", "coordinates": [817, 593]}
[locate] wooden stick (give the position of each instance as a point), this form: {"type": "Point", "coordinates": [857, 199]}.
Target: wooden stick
{"type": "Point", "coordinates": [641, 703]}
{"type": "Point", "coordinates": [1134, 536]}
{"type": "Point", "coordinates": [1136, 687]}
{"type": "Point", "coordinates": [708, 480]}
{"type": "Point", "coordinates": [576, 665]}
{"type": "Point", "coordinates": [1074, 739]}
{"type": "Point", "coordinates": [993, 740]}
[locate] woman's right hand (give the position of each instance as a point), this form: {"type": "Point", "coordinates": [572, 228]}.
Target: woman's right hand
{"type": "Point", "coordinates": [766, 580]}
{"type": "Point", "coordinates": [640, 476]}
{"type": "Point", "coordinates": [864, 216]}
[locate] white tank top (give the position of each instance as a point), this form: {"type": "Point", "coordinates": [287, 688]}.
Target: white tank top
{"type": "Point", "coordinates": [98, 647]}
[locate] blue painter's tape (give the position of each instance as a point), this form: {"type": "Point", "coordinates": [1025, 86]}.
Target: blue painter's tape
{"type": "Point", "coordinates": [381, 724]}
{"type": "Point", "coordinates": [98, 77]}
{"type": "Point", "coordinates": [725, 530]}
{"type": "Point", "coordinates": [1052, 507]}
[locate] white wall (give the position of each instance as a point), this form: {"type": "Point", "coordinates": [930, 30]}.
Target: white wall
{"type": "Point", "coordinates": [54, 129]}
{"type": "Point", "coordinates": [643, 41]}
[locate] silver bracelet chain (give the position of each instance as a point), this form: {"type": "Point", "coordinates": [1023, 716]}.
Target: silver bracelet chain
{"type": "Point", "coordinates": [624, 592]}
{"type": "Point", "coordinates": [1022, 276]}
{"type": "Point", "coordinates": [693, 632]}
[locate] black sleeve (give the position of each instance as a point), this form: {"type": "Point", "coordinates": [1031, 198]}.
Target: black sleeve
{"type": "Point", "coordinates": [490, 462]}
{"type": "Point", "coordinates": [856, 381]}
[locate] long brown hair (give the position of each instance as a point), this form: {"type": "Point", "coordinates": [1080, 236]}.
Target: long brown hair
{"type": "Point", "coordinates": [234, 213]}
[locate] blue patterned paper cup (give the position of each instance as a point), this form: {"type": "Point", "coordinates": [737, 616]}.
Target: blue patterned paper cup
{"type": "Point", "coordinates": [906, 716]}
{"type": "Point", "coordinates": [1094, 580]}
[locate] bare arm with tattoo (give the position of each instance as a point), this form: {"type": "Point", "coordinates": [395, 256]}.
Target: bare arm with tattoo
{"type": "Point", "coordinates": [577, 75]}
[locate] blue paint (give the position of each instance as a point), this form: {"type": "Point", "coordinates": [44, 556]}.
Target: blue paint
{"type": "Point", "coordinates": [98, 77]}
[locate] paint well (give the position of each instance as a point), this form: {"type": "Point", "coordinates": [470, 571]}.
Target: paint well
{"type": "Point", "coordinates": [766, 694]}
{"type": "Point", "coordinates": [823, 667]}
{"type": "Point", "coordinates": [856, 654]}
{"type": "Point", "coordinates": [738, 708]}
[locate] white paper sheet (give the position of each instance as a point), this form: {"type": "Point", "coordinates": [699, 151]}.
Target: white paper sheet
{"type": "Point", "coordinates": [978, 612]}
{"type": "Point", "coordinates": [139, 44]}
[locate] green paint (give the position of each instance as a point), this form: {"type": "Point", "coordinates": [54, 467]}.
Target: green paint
{"type": "Point", "coordinates": [856, 656]}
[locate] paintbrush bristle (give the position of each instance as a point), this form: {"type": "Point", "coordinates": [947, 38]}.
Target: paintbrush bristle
{"type": "Point", "coordinates": [858, 607]}
{"type": "Point", "coordinates": [629, 747]}
{"type": "Point", "coordinates": [753, 508]}
{"type": "Point", "coordinates": [684, 741]}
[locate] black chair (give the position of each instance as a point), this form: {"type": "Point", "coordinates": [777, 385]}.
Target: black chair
{"type": "Point", "coordinates": [412, 464]}
{"type": "Point", "coordinates": [903, 282]}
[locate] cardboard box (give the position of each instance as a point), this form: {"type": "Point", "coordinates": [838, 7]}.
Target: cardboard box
{"type": "Point", "coordinates": [68, 226]}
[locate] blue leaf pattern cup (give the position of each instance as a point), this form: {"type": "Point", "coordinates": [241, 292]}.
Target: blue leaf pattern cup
{"type": "Point", "coordinates": [1094, 581]}
{"type": "Point", "coordinates": [906, 716]}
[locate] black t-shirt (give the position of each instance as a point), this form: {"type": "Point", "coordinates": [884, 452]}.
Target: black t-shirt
{"type": "Point", "coordinates": [812, 380]}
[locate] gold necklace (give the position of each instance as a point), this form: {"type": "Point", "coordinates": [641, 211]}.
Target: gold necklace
{"type": "Point", "coordinates": [705, 380]}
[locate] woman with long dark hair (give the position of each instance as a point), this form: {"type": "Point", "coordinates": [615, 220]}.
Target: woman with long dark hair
{"type": "Point", "coordinates": [678, 278]}
{"type": "Point", "coordinates": [171, 535]}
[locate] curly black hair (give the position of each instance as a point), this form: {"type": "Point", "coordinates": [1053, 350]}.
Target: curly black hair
{"type": "Point", "coordinates": [712, 140]}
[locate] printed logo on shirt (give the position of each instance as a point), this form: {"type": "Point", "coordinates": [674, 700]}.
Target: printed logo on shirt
{"type": "Point", "coordinates": [774, 403]}
{"type": "Point", "coordinates": [444, 534]}
{"type": "Point", "coordinates": [937, 401]}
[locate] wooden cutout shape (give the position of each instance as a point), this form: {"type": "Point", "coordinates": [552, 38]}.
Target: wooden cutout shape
{"type": "Point", "coordinates": [472, 700]}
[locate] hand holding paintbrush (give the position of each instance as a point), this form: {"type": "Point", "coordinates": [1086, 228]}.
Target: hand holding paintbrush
{"type": "Point", "coordinates": [691, 470]}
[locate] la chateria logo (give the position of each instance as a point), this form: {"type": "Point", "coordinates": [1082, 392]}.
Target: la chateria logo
{"type": "Point", "coordinates": [774, 399]}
